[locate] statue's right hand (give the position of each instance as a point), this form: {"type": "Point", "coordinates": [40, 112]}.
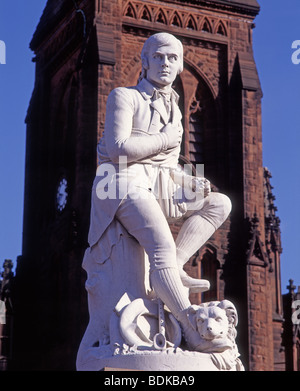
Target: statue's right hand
{"type": "Point", "coordinates": [174, 135]}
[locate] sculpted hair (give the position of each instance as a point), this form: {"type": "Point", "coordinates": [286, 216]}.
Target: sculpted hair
{"type": "Point", "coordinates": [160, 39]}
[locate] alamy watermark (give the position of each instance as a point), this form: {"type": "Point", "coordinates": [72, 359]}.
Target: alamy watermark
{"type": "Point", "coordinates": [296, 314]}
{"type": "Point", "coordinates": [117, 181]}
{"type": "Point", "coordinates": [296, 53]}
{"type": "Point", "coordinates": [2, 52]}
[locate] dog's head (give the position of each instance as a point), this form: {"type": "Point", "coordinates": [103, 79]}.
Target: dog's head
{"type": "Point", "coordinates": [215, 322]}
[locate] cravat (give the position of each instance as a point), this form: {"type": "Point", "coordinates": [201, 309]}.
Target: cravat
{"type": "Point", "coordinates": [167, 100]}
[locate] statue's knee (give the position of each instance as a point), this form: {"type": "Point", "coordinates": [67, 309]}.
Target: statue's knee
{"type": "Point", "coordinates": [227, 206]}
{"type": "Point", "coordinates": [222, 203]}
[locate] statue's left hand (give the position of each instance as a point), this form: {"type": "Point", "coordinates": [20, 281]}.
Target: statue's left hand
{"type": "Point", "coordinates": [201, 185]}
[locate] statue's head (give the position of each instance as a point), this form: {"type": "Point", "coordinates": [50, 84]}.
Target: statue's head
{"type": "Point", "coordinates": [162, 58]}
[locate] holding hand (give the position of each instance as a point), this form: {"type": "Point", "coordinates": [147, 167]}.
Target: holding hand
{"type": "Point", "coordinates": [201, 184]}
{"type": "Point", "coordinates": [196, 184]}
{"type": "Point", "coordinates": [173, 134]}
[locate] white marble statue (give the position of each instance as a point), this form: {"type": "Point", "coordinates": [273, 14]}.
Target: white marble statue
{"type": "Point", "coordinates": [138, 292]}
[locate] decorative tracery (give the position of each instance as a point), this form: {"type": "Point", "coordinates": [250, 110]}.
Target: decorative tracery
{"type": "Point", "coordinates": [206, 27]}
{"type": "Point", "coordinates": [130, 11]}
{"type": "Point", "coordinates": [221, 29]}
{"type": "Point", "coordinates": [191, 24]}
{"type": "Point", "coordinates": [145, 15]}
{"type": "Point", "coordinates": [176, 21]}
{"type": "Point", "coordinates": [161, 18]}
{"type": "Point", "coordinates": [137, 10]}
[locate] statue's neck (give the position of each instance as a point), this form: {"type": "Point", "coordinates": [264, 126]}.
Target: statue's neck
{"type": "Point", "coordinates": [163, 89]}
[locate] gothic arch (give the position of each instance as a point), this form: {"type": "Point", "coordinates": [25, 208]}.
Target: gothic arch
{"type": "Point", "coordinates": [201, 120]}
{"type": "Point", "coordinates": [200, 75]}
{"type": "Point", "coordinates": [220, 29]}
{"type": "Point", "coordinates": [189, 61]}
{"type": "Point", "coordinates": [132, 71]}
{"type": "Point", "coordinates": [176, 20]}
{"type": "Point", "coordinates": [191, 23]}
{"type": "Point", "coordinates": [160, 17]}
{"type": "Point", "coordinates": [145, 14]}
{"type": "Point", "coordinates": [206, 26]}
{"type": "Point", "coordinates": [130, 10]}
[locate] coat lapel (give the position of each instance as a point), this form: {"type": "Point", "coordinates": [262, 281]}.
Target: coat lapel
{"type": "Point", "coordinates": [159, 106]}
{"type": "Point", "coordinates": [176, 113]}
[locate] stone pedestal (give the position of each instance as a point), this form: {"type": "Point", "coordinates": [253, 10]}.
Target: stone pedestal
{"type": "Point", "coordinates": [130, 328]}
{"type": "Point", "coordinates": [161, 361]}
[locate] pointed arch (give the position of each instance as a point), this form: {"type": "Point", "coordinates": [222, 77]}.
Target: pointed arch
{"type": "Point", "coordinates": [161, 17]}
{"type": "Point", "coordinates": [202, 119]}
{"type": "Point", "coordinates": [145, 14]}
{"type": "Point", "coordinates": [220, 29]}
{"type": "Point", "coordinates": [189, 62]}
{"type": "Point", "coordinates": [130, 11]}
{"type": "Point", "coordinates": [176, 20]}
{"type": "Point", "coordinates": [256, 253]}
{"type": "Point", "coordinates": [206, 26]}
{"type": "Point", "coordinates": [191, 23]}
{"type": "Point", "coordinates": [132, 71]}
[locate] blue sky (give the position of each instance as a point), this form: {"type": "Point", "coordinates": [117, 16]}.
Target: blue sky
{"type": "Point", "coordinates": [277, 26]}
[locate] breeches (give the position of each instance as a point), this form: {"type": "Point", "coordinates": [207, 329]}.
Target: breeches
{"type": "Point", "coordinates": [144, 219]}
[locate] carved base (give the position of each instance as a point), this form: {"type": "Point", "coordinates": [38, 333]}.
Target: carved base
{"type": "Point", "coordinates": [167, 360]}
{"type": "Point", "coordinates": [130, 328]}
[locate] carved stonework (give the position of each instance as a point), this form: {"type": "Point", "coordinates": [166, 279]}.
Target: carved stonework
{"type": "Point", "coordinates": [169, 16]}
{"type": "Point", "coordinates": [131, 328]}
{"type": "Point", "coordinates": [272, 222]}
{"type": "Point", "coordinates": [256, 254]}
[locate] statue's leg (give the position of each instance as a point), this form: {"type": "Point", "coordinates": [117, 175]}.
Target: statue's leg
{"type": "Point", "coordinates": [144, 219]}
{"type": "Point", "coordinates": [204, 217]}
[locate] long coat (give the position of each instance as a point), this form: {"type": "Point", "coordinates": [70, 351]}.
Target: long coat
{"type": "Point", "coordinates": [135, 114]}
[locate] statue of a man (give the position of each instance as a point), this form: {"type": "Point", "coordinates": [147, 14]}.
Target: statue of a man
{"type": "Point", "coordinates": [143, 125]}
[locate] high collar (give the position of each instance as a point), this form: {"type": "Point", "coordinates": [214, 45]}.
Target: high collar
{"type": "Point", "coordinates": [148, 90]}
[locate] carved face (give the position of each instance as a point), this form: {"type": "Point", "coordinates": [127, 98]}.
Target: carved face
{"type": "Point", "coordinates": [212, 323]}
{"type": "Point", "coordinates": [215, 322]}
{"type": "Point", "coordinates": [163, 64]}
